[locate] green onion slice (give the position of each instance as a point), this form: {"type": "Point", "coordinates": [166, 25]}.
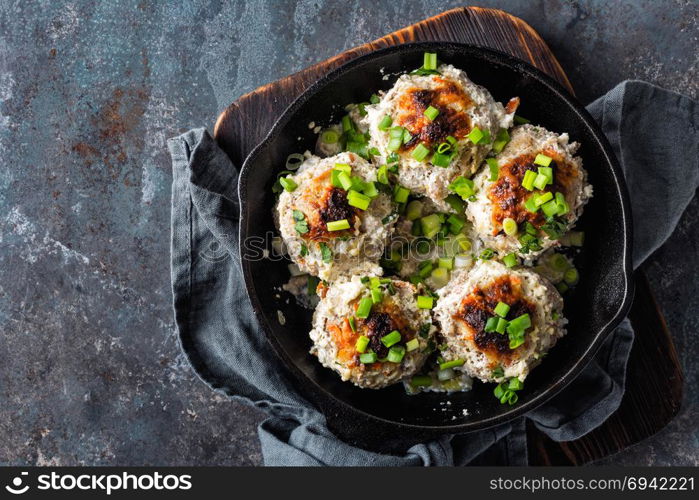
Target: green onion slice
{"type": "Point", "coordinates": [391, 339]}
{"type": "Point", "coordinates": [385, 123]}
{"type": "Point", "coordinates": [338, 225]}
{"type": "Point", "coordinates": [368, 357]}
{"type": "Point", "coordinates": [501, 309]}
{"type": "Point", "coordinates": [543, 160]}
{"type": "Point", "coordinates": [431, 113]}
{"type": "Point", "coordinates": [362, 343]}
{"type": "Point", "coordinates": [294, 161]}
{"type": "Point", "coordinates": [329, 137]}
{"type": "Point", "coordinates": [425, 302]}
{"type": "Point", "coordinates": [494, 169]}
{"type": "Point", "coordinates": [420, 152]}
{"type": "Point", "coordinates": [364, 307]}
{"type": "Point", "coordinates": [451, 364]}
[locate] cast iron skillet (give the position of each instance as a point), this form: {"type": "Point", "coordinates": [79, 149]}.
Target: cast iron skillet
{"type": "Point", "coordinates": [388, 418]}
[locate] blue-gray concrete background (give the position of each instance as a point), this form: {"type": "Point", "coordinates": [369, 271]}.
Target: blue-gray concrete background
{"type": "Point", "coordinates": [90, 371]}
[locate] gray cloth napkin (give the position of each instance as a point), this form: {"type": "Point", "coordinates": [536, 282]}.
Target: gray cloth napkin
{"type": "Point", "coordinates": [654, 135]}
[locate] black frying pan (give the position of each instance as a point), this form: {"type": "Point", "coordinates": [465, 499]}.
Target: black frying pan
{"type": "Point", "coordinates": [388, 419]}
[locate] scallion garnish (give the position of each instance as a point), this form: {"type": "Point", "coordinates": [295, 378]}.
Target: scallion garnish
{"type": "Point", "coordinates": [400, 194]}
{"type": "Point", "coordinates": [329, 137]}
{"type": "Point", "coordinates": [502, 324]}
{"type": "Point", "coordinates": [338, 225]}
{"type": "Point", "coordinates": [509, 225]}
{"type": "Point", "coordinates": [501, 140]}
{"type": "Point", "coordinates": [368, 357]}
{"type": "Point", "coordinates": [412, 344]}
{"type": "Point", "coordinates": [571, 277]}
{"type": "Point", "coordinates": [358, 200]}
{"type": "Point", "coordinates": [413, 210]}
{"type": "Point", "coordinates": [364, 307]}
{"type": "Point", "coordinates": [540, 181]}
{"type": "Point", "coordinates": [376, 295]}
{"type": "Point", "coordinates": [520, 120]}
{"type": "Point", "coordinates": [491, 324]}
{"type": "Point", "coordinates": [420, 152]}
{"type": "Point", "coordinates": [374, 99]}
{"type": "Point", "coordinates": [347, 124]}
{"type": "Point", "coordinates": [494, 169]}
{"type": "Point", "coordinates": [528, 180]}
{"type": "Point", "coordinates": [463, 187]}
{"type": "Point", "coordinates": [421, 381]}
{"type": "Point", "coordinates": [425, 302]}
{"type": "Point", "coordinates": [431, 113]}
{"type": "Point", "coordinates": [391, 339]}
{"type": "Point", "coordinates": [510, 260]}
{"type": "Point", "coordinates": [288, 183]}
{"type": "Point", "coordinates": [501, 309]}
{"type": "Point", "coordinates": [451, 364]}
{"type": "Point", "coordinates": [385, 123]}
{"type": "Point", "coordinates": [362, 343]}
{"type": "Point", "coordinates": [325, 253]}
{"type": "Point", "coordinates": [429, 61]}
{"type": "Point", "coordinates": [431, 224]}
{"type": "Point", "coordinates": [543, 160]}
{"type": "Point", "coordinates": [396, 354]}
{"type": "Point", "coordinates": [294, 161]}
{"type": "Point", "coordinates": [441, 160]}
{"type": "Point", "coordinates": [478, 136]}
{"type": "Point", "coordinates": [530, 205]}
{"type": "Point", "coordinates": [486, 254]}
{"type": "Point", "coordinates": [543, 198]}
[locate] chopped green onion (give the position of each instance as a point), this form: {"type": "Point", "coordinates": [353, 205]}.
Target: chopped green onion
{"type": "Point", "coordinates": [385, 123]}
{"type": "Point", "coordinates": [425, 268]}
{"type": "Point", "coordinates": [347, 125]}
{"type": "Point", "coordinates": [456, 223]}
{"type": "Point", "coordinates": [343, 167]}
{"type": "Point", "coordinates": [478, 136]}
{"type": "Point", "coordinates": [431, 224]}
{"type": "Point", "coordinates": [441, 160]}
{"type": "Point", "coordinates": [413, 210]}
{"type": "Point", "coordinates": [406, 136]}
{"type": "Point", "coordinates": [421, 381]}
{"type": "Point", "coordinates": [501, 309]}
{"type": "Point", "coordinates": [491, 324]}
{"type": "Point", "coordinates": [370, 190]}
{"type": "Point", "coordinates": [400, 194]}
{"type": "Point", "coordinates": [515, 384]}
{"type": "Point", "coordinates": [345, 181]}
{"type": "Point", "coordinates": [352, 323]}
{"type": "Point", "coordinates": [530, 204]}
{"type": "Point", "coordinates": [520, 120]}
{"type": "Point", "coordinates": [502, 324]}
{"type": "Point", "coordinates": [326, 253]}
{"type": "Point", "coordinates": [451, 364]}
{"type": "Point", "coordinates": [368, 357]}
{"type": "Point", "coordinates": [382, 174]}
{"type": "Point", "coordinates": [510, 260]}
{"type": "Point", "coordinates": [294, 161]}
{"type": "Point", "coordinates": [420, 152]}
{"type": "Point", "coordinates": [571, 276]}
{"type": "Point", "coordinates": [412, 344]}
{"type": "Point", "coordinates": [376, 296]}
{"type": "Point", "coordinates": [358, 183]}
{"type": "Point", "coordinates": [540, 181]}
{"type": "Point", "coordinates": [391, 339]}
{"type": "Point", "coordinates": [463, 187]}
{"type": "Point", "coordinates": [431, 113]}
{"type": "Point", "coordinates": [374, 99]}
{"type": "Point", "coordinates": [338, 225]}
{"type": "Point", "coordinates": [456, 203]}
{"type": "Point", "coordinates": [329, 137]}
{"type": "Point", "coordinates": [304, 250]}
{"type": "Point", "coordinates": [429, 61]}
{"type": "Point", "coordinates": [494, 169]}
{"type": "Point", "coordinates": [396, 133]}
{"type": "Point", "coordinates": [446, 262]}
{"type": "Point", "coordinates": [394, 144]}
{"type": "Point", "coordinates": [543, 160]}
{"type": "Point", "coordinates": [374, 152]}
{"type": "Point", "coordinates": [440, 277]}
{"type": "Point", "coordinates": [543, 198]}
{"type": "Point", "coordinates": [550, 209]}
{"type": "Point", "coordinates": [563, 207]}
{"type": "Point", "coordinates": [509, 225]}
{"type": "Point", "coordinates": [528, 180]}
{"type": "Point", "coordinates": [364, 307]}
{"type": "Point", "coordinates": [547, 172]}
{"type": "Point", "coordinates": [357, 199]}
{"type": "Point", "coordinates": [444, 148]}
{"type": "Point", "coordinates": [558, 262]}
{"type": "Point", "coordinates": [519, 324]}
{"type": "Point", "coordinates": [288, 183]}
{"type": "Point", "coordinates": [487, 254]}
{"type": "Point", "coordinates": [362, 343]}
{"type": "Point", "coordinates": [501, 140]}
{"type": "Point", "coordinates": [396, 354]}
{"type": "Point", "coordinates": [425, 302]}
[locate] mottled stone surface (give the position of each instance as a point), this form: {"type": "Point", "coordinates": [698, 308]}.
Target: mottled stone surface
{"type": "Point", "coordinates": [90, 371]}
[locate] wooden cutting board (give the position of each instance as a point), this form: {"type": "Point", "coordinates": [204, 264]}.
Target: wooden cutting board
{"type": "Point", "coordinates": [654, 382]}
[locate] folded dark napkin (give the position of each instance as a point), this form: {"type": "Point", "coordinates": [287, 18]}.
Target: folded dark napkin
{"type": "Point", "coordinates": [226, 347]}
